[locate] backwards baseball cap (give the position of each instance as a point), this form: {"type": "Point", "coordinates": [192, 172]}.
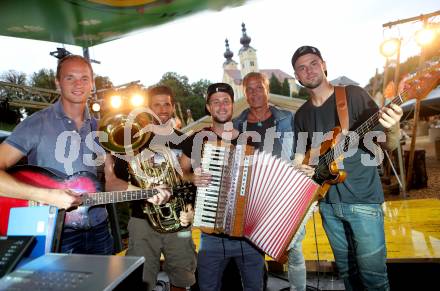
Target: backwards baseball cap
{"type": "Point", "coordinates": [218, 87]}
{"type": "Point", "coordinates": [303, 51]}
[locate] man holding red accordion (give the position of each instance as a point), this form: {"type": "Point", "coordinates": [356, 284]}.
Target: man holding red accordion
{"type": "Point", "coordinates": [216, 250]}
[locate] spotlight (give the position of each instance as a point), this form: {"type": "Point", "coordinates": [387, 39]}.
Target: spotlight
{"type": "Point", "coordinates": [425, 36]}
{"type": "Point", "coordinates": [137, 100]}
{"type": "Point", "coordinates": [389, 47]}
{"type": "Point", "coordinates": [96, 107]}
{"type": "Point", "coordinates": [116, 101]}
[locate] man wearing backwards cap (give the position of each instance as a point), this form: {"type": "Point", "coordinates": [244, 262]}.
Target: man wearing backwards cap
{"type": "Point", "coordinates": [351, 211]}
{"type": "Point", "coordinates": [216, 251]}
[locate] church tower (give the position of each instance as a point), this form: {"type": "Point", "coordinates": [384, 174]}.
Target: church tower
{"type": "Point", "coordinates": [247, 54]}
{"type": "Point", "coordinates": [231, 74]}
{"type": "Point", "coordinates": [229, 64]}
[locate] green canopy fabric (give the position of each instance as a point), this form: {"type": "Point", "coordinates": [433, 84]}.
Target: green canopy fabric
{"type": "Point", "coordinates": [90, 22]}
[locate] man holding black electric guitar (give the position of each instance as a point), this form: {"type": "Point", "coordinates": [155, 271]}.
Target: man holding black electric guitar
{"type": "Point", "coordinates": [351, 210]}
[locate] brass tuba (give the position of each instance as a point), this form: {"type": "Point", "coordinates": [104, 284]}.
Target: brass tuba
{"type": "Point", "coordinates": [122, 133]}
{"type": "Point", "coordinates": [150, 167]}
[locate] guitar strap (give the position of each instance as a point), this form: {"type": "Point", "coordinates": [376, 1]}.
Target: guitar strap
{"type": "Point", "coordinates": [342, 108]}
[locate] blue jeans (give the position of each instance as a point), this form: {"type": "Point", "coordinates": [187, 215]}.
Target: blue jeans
{"type": "Point", "coordinates": [296, 264]}
{"type": "Point", "coordinates": [356, 235]}
{"type": "Point", "coordinates": [96, 241]}
{"type": "Point", "coordinates": [215, 253]}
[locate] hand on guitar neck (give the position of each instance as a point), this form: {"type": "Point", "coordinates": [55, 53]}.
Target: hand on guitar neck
{"type": "Point", "coordinates": [113, 183]}
{"type": "Point", "coordinates": [390, 116]}
{"type": "Point", "coordinates": [161, 197]}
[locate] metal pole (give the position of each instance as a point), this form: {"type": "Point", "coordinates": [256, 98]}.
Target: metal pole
{"type": "Point", "coordinates": [86, 53]}
{"type": "Point", "coordinates": [385, 81]}
{"type": "Point", "coordinates": [374, 87]}
{"type": "Point", "coordinates": [180, 114]}
{"type": "Point", "coordinates": [416, 119]}
{"type": "Point", "coordinates": [399, 147]}
{"type": "Point", "coordinates": [411, 19]}
{"type": "Point", "coordinates": [94, 97]}
{"type": "Point", "coordinates": [413, 143]}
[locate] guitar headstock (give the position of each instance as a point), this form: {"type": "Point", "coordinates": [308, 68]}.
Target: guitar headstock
{"type": "Point", "coordinates": [420, 84]}
{"type": "Point", "coordinates": [390, 91]}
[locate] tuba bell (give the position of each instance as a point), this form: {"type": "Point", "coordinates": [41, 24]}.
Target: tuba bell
{"type": "Point", "coordinates": [123, 133]}
{"type": "Point", "coordinates": [126, 134]}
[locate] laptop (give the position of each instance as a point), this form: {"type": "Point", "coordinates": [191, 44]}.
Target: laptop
{"type": "Point", "coordinates": [43, 222]}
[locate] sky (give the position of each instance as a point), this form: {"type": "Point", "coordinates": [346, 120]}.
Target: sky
{"type": "Point", "coordinates": [347, 32]}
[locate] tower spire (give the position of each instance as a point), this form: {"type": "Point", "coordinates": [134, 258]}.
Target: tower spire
{"type": "Point", "coordinates": [245, 40]}
{"type": "Point", "coordinates": [228, 54]}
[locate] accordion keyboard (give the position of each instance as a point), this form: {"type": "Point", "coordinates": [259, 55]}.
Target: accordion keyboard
{"type": "Point", "coordinates": [208, 197]}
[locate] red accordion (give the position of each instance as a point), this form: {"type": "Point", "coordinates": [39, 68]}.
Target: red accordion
{"type": "Point", "coordinates": [253, 195]}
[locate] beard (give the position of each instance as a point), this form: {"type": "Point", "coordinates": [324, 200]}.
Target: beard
{"type": "Point", "coordinates": [222, 120]}
{"type": "Point", "coordinates": [313, 84]}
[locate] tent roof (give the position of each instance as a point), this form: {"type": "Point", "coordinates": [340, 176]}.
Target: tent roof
{"type": "Point", "coordinates": [428, 106]}
{"type": "Point", "coordinates": [343, 81]}
{"type": "Point", "coordinates": [90, 22]}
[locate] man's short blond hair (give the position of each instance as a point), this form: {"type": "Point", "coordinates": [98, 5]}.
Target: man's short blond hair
{"type": "Point", "coordinates": [257, 76]}
{"type": "Point", "coordinates": [72, 57]}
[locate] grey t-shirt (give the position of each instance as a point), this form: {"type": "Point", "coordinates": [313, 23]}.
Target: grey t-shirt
{"type": "Point", "coordinates": [362, 184]}
{"type": "Point", "coordinates": [50, 139]}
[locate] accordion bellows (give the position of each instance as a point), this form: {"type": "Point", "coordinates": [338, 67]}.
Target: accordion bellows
{"type": "Point", "coordinates": [253, 195]}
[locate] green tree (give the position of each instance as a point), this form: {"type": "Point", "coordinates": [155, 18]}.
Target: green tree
{"type": "Point", "coordinates": [285, 90]}
{"type": "Point", "coordinates": [14, 77]}
{"type": "Point", "coordinates": [197, 106]}
{"type": "Point", "coordinates": [179, 84]}
{"type": "Point", "coordinates": [9, 117]}
{"type": "Point", "coordinates": [275, 85]}
{"type": "Point", "coordinates": [44, 78]}
{"type": "Point", "coordinates": [189, 96]}
{"type": "Point", "coordinates": [303, 93]}
{"type": "Point", "coordinates": [199, 88]}
{"type": "Point", "coordinates": [103, 82]}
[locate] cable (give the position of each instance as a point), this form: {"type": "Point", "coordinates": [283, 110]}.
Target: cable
{"type": "Point", "coordinates": [308, 287]}
{"type": "Point", "coordinates": [317, 251]}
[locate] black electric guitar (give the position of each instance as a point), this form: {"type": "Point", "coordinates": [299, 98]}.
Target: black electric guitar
{"type": "Point", "coordinates": [81, 182]}
{"type": "Point", "coordinates": [331, 152]}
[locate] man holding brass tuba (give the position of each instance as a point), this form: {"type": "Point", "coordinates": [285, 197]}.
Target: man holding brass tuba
{"type": "Point", "coordinates": [155, 230]}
